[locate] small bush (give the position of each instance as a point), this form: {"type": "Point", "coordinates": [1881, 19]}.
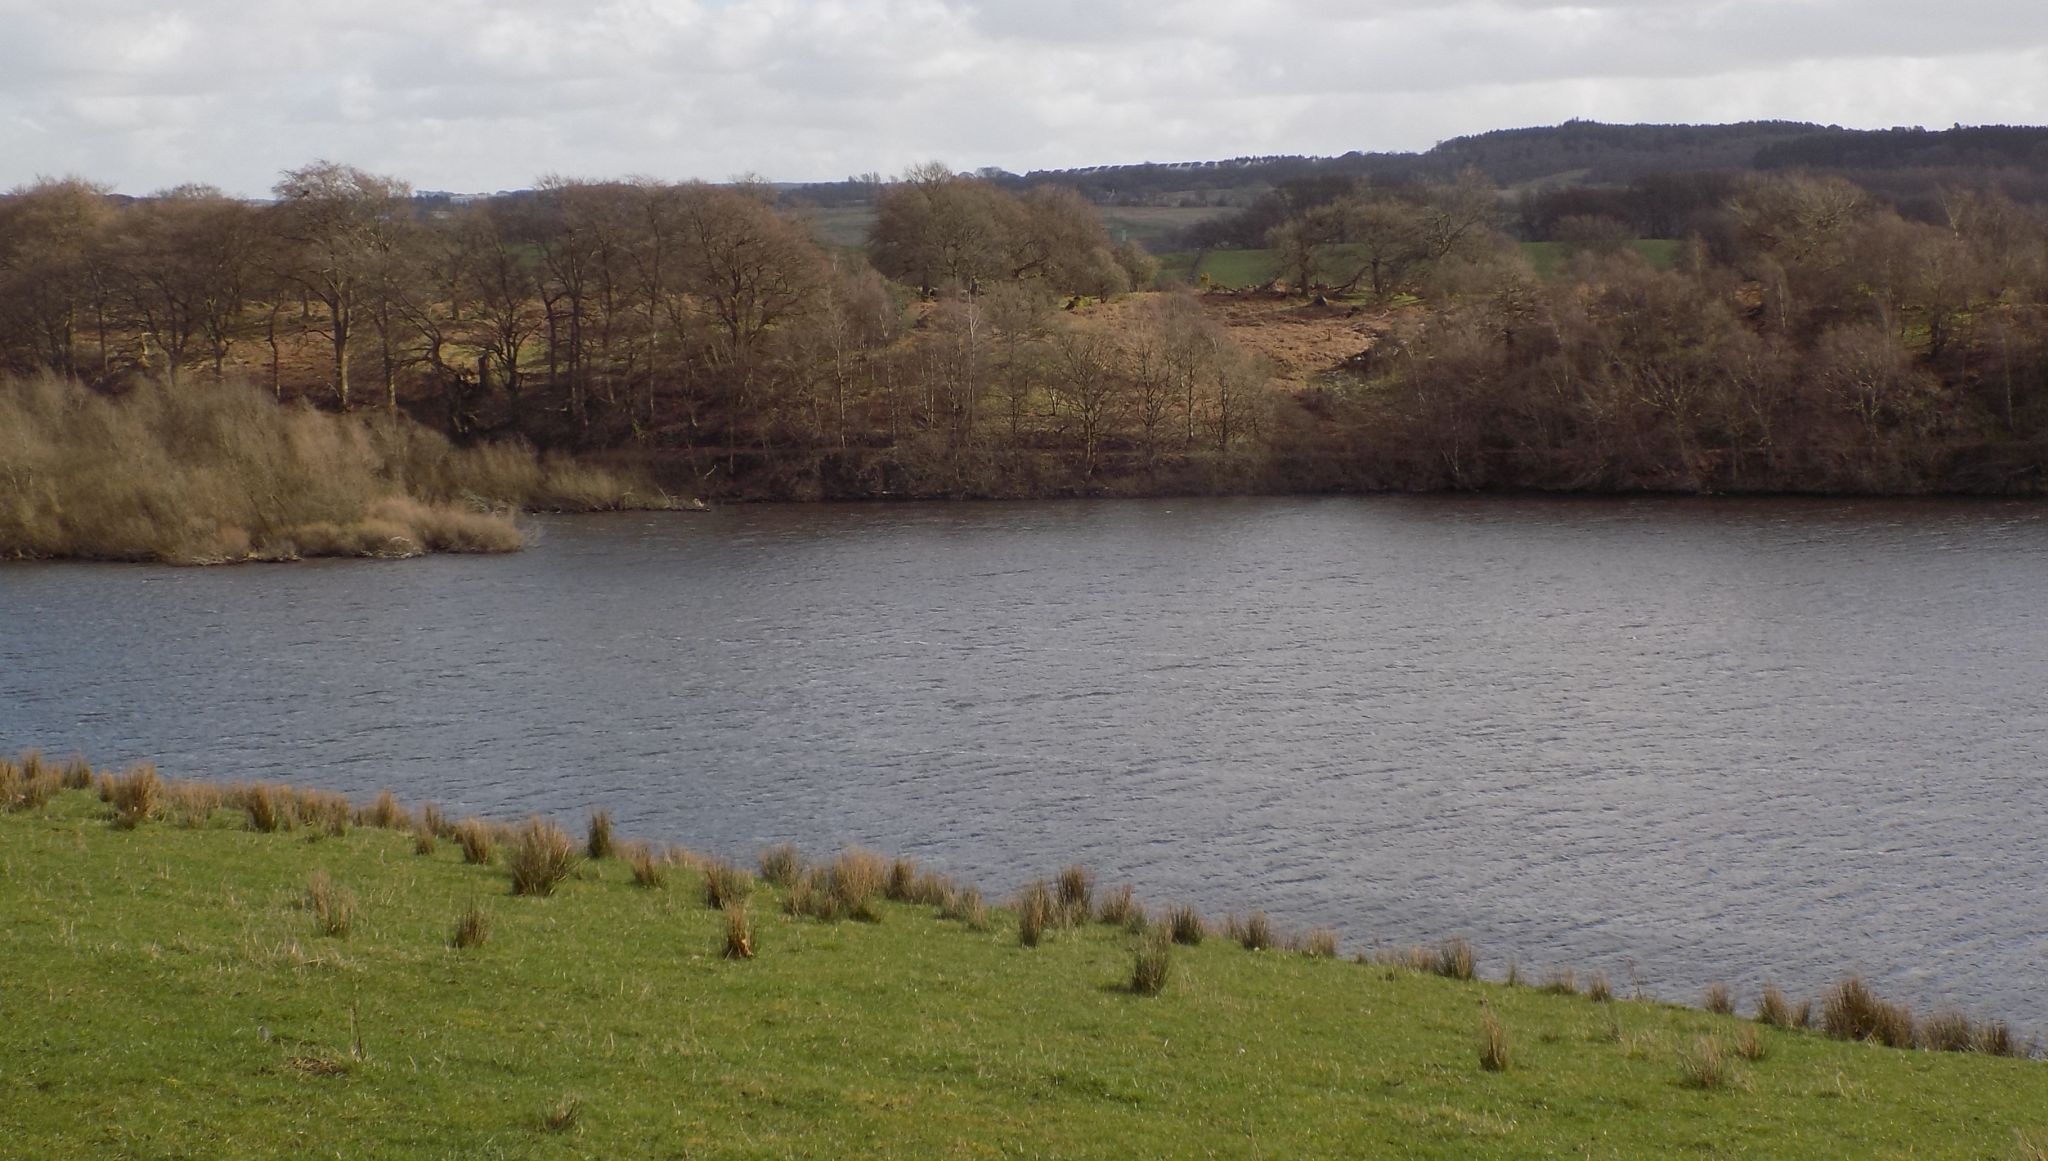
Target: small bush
{"type": "Point", "coordinates": [1454, 959]}
{"type": "Point", "coordinates": [1187, 926]}
{"type": "Point", "coordinates": [1598, 989]}
{"type": "Point", "coordinates": [541, 856]}
{"type": "Point", "coordinates": [1716, 998]}
{"type": "Point", "coordinates": [649, 869]}
{"type": "Point", "coordinates": [138, 795]}
{"type": "Point", "coordinates": [1257, 932]}
{"type": "Point", "coordinates": [1705, 1065]}
{"type": "Point", "coordinates": [1320, 943]}
{"type": "Point", "coordinates": [599, 844]}
{"type": "Point", "coordinates": [739, 932]}
{"type": "Point", "coordinates": [333, 906]}
{"type": "Point", "coordinates": [1075, 894]}
{"type": "Point", "coordinates": [1153, 962]}
{"type": "Point", "coordinates": [477, 840]}
{"type": "Point", "coordinates": [1773, 1009]}
{"type": "Point", "coordinates": [1851, 1011]}
{"type": "Point", "coordinates": [1034, 913]}
{"type": "Point", "coordinates": [726, 885]}
{"type": "Point", "coordinates": [1493, 1042]}
{"type": "Point", "coordinates": [781, 865]}
{"type": "Point", "coordinates": [472, 928]}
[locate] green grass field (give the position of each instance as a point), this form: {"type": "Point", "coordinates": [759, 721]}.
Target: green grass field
{"type": "Point", "coordinates": [169, 994]}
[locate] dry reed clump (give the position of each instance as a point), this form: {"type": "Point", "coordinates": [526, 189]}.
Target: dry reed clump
{"type": "Point", "coordinates": [964, 905]}
{"type": "Point", "coordinates": [1598, 989]}
{"type": "Point", "coordinates": [76, 773]}
{"type": "Point", "coordinates": [931, 889]}
{"type": "Point", "coordinates": [29, 784]}
{"type": "Point", "coordinates": [472, 927]}
{"type": "Point", "coordinates": [1320, 943]}
{"type": "Point", "coordinates": [333, 906]}
{"type": "Point", "coordinates": [138, 796]}
{"type": "Point", "coordinates": [810, 894]}
{"type": "Point", "coordinates": [781, 865]}
{"type": "Point", "coordinates": [599, 843]}
{"type": "Point", "coordinates": [477, 840]}
{"type": "Point", "coordinates": [1153, 962]}
{"type": "Point", "coordinates": [1187, 926]}
{"type": "Point", "coordinates": [10, 784]}
{"type": "Point", "coordinates": [739, 931]}
{"type": "Point", "coordinates": [1751, 1045]}
{"type": "Point", "coordinates": [219, 474]}
{"type": "Point", "coordinates": [1035, 912]}
{"type": "Point", "coordinates": [194, 802]}
{"type": "Point", "coordinates": [384, 814]}
{"type": "Point", "coordinates": [1117, 907]}
{"type": "Point", "coordinates": [1718, 999]}
{"type": "Point", "coordinates": [649, 868]}
{"type": "Point", "coordinates": [1493, 1041]}
{"type": "Point", "coordinates": [902, 883]}
{"type": "Point", "coordinates": [539, 858]}
{"type": "Point", "coordinates": [424, 839]}
{"type": "Point", "coordinates": [1561, 982]}
{"type": "Point", "coordinates": [1773, 1009]}
{"type": "Point", "coordinates": [2031, 1146]}
{"type": "Point", "coordinates": [1705, 1065]}
{"type": "Point", "coordinates": [432, 819]}
{"type": "Point", "coordinates": [1851, 1011]}
{"type": "Point", "coordinates": [858, 878]}
{"type": "Point", "coordinates": [1256, 933]}
{"type": "Point", "coordinates": [725, 885]}
{"type": "Point", "coordinates": [1076, 895]}
{"type": "Point", "coordinates": [1454, 959]}
{"type": "Point", "coordinates": [270, 808]}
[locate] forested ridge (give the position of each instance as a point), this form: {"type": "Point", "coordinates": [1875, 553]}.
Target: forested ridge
{"type": "Point", "coordinates": [994, 341]}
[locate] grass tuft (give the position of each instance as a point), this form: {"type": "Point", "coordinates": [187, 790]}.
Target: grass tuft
{"type": "Point", "coordinates": [739, 932]}
{"type": "Point", "coordinates": [333, 906]}
{"type": "Point", "coordinates": [1153, 962]}
{"type": "Point", "coordinates": [1705, 1065]}
{"type": "Point", "coordinates": [1320, 943]}
{"type": "Point", "coordinates": [472, 927]}
{"type": "Point", "coordinates": [1118, 906]}
{"type": "Point", "coordinates": [477, 840]}
{"type": "Point", "coordinates": [1718, 999]}
{"type": "Point", "coordinates": [1256, 933]}
{"type": "Point", "coordinates": [781, 866]}
{"type": "Point", "coordinates": [1454, 959]}
{"type": "Point", "coordinates": [138, 796]}
{"type": "Point", "coordinates": [1598, 989]}
{"type": "Point", "coordinates": [1751, 1045]}
{"type": "Point", "coordinates": [1187, 927]}
{"type": "Point", "coordinates": [599, 844]}
{"type": "Point", "coordinates": [1774, 1010]}
{"type": "Point", "coordinates": [650, 869]}
{"type": "Point", "coordinates": [1561, 982]}
{"type": "Point", "coordinates": [1493, 1041]}
{"type": "Point", "coordinates": [1034, 912]}
{"type": "Point", "coordinates": [964, 905]}
{"type": "Point", "coordinates": [385, 814]}
{"type": "Point", "coordinates": [901, 886]}
{"type": "Point", "coordinates": [76, 773]}
{"type": "Point", "coordinates": [1076, 895]}
{"type": "Point", "coordinates": [1851, 1011]}
{"type": "Point", "coordinates": [541, 856]}
{"type": "Point", "coordinates": [562, 1117]}
{"type": "Point", "coordinates": [726, 885]}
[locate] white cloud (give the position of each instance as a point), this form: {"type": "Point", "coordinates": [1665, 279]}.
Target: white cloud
{"type": "Point", "coordinates": [477, 94]}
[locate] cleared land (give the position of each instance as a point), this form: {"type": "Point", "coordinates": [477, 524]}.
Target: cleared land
{"type": "Point", "coordinates": [180, 990]}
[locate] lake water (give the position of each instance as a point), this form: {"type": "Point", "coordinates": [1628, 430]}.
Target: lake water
{"type": "Point", "coordinates": [1677, 741]}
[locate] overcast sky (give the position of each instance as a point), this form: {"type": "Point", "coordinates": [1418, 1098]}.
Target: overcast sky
{"type": "Point", "coordinates": [475, 95]}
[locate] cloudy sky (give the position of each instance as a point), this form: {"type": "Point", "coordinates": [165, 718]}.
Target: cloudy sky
{"type": "Point", "coordinates": [488, 94]}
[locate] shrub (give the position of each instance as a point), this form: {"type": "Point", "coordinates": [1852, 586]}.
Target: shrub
{"type": "Point", "coordinates": [541, 856]}
{"type": "Point", "coordinates": [1034, 912]}
{"type": "Point", "coordinates": [1257, 932]}
{"type": "Point", "coordinates": [739, 932]}
{"type": "Point", "coordinates": [649, 869]}
{"type": "Point", "coordinates": [138, 795]}
{"type": "Point", "coordinates": [477, 841]}
{"type": "Point", "coordinates": [333, 906]}
{"type": "Point", "coordinates": [1705, 1064]}
{"type": "Point", "coordinates": [1773, 1009]}
{"type": "Point", "coordinates": [1187, 926]}
{"type": "Point", "coordinates": [1493, 1042]}
{"type": "Point", "coordinates": [1851, 1011]}
{"type": "Point", "coordinates": [472, 927]}
{"type": "Point", "coordinates": [1598, 989]}
{"type": "Point", "coordinates": [1153, 962]}
{"type": "Point", "coordinates": [725, 885]}
{"type": "Point", "coordinates": [1076, 894]}
{"type": "Point", "coordinates": [781, 865]}
{"type": "Point", "coordinates": [599, 844]}
{"type": "Point", "coordinates": [1453, 959]}
{"type": "Point", "coordinates": [1716, 998]}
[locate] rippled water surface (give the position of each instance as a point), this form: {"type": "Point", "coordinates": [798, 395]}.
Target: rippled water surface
{"type": "Point", "coordinates": [1684, 740]}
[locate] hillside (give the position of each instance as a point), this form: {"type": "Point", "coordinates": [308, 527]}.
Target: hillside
{"type": "Point", "coordinates": [192, 987]}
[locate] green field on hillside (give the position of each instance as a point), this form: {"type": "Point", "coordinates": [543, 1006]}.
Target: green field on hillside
{"type": "Point", "coordinates": [180, 990]}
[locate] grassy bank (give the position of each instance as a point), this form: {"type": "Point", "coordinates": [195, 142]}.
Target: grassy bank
{"type": "Point", "coordinates": [215, 473]}
{"type": "Point", "coordinates": [180, 983]}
